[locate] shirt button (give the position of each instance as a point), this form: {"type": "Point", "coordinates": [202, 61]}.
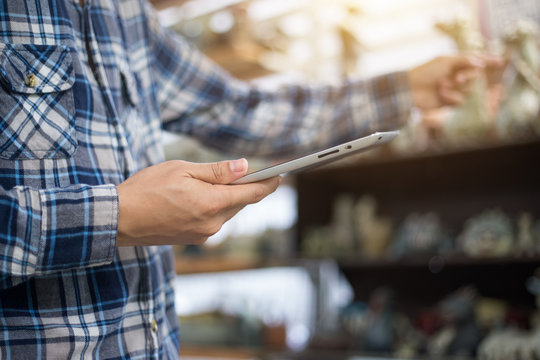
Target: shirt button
{"type": "Point", "coordinates": [154, 325]}
{"type": "Point", "coordinates": [31, 80]}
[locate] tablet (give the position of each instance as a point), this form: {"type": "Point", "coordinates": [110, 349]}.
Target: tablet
{"type": "Point", "coordinates": [320, 157]}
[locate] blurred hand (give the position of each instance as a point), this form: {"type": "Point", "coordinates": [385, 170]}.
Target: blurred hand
{"type": "Point", "coordinates": [177, 202]}
{"type": "Point", "coordinates": [447, 80]}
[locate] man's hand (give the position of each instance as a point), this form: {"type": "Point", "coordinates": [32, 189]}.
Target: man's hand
{"type": "Point", "coordinates": [177, 202]}
{"type": "Point", "coordinates": [448, 80]}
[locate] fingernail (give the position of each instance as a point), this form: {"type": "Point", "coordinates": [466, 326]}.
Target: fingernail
{"type": "Point", "coordinates": [239, 165]}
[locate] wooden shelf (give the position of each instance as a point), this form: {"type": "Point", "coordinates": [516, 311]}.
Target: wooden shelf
{"type": "Point", "coordinates": [221, 353]}
{"type": "Point", "coordinates": [445, 261]}
{"type": "Point", "coordinates": [212, 264]}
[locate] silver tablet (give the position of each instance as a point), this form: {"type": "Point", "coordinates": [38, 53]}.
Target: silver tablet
{"type": "Point", "coordinates": [320, 157]}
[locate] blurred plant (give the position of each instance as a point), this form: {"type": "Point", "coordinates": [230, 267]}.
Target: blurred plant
{"type": "Point", "coordinates": [519, 114]}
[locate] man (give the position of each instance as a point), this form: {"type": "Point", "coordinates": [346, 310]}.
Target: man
{"type": "Point", "coordinates": [86, 88]}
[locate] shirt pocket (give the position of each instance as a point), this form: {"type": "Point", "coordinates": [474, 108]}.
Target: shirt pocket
{"type": "Point", "coordinates": [37, 110]}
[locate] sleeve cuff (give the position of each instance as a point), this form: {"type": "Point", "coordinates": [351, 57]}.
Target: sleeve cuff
{"type": "Point", "coordinates": [78, 227]}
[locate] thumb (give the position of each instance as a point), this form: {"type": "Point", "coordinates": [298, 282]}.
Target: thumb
{"type": "Point", "coordinates": [223, 172]}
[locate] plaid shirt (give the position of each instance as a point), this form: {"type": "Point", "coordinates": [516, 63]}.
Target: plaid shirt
{"type": "Point", "coordinates": [69, 135]}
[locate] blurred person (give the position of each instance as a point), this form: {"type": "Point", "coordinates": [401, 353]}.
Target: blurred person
{"type": "Point", "coordinates": [85, 195]}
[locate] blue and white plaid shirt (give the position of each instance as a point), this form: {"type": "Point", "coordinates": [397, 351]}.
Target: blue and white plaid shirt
{"type": "Point", "coordinates": [69, 135]}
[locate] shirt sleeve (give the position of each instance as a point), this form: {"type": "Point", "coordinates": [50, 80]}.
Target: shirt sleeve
{"type": "Point", "coordinates": [49, 230]}
{"type": "Point", "coordinates": [198, 98]}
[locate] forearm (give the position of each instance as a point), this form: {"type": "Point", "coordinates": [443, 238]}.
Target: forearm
{"type": "Point", "coordinates": [48, 230]}
{"type": "Point", "coordinates": [297, 118]}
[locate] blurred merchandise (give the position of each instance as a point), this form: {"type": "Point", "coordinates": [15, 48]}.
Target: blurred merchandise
{"type": "Point", "coordinates": [460, 334]}
{"type": "Point", "coordinates": [515, 343]}
{"type": "Point", "coordinates": [462, 325]}
{"type": "Point", "coordinates": [356, 231]}
{"type": "Point", "coordinates": [525, 237]}
{"type": "Point", "coordinates": [490, 313]}
{"type": "Point", "coordinates": [221, 329]}
{"type": "Point", "coordinates": [373, 231]}
{"type": "Point", "coordinates": [377, 326]}
{"type": "Point", "coordinates": [248, 307]}
{"type": "Point", "coordinates": [533, 286]}
{"type": "Point", "coordinates": [421, 234]}
{"type": "Point", "coordinates": [469, 122]}
{"type": "Point", "coordinates": [489, 234]}
{"type": "Point", "coordinates": [337, 238]}
{"type": "Point", "coordinates": [511, 344]}
{"type": "Point", "coordinates": [379, 334]}
{"type": "Point", "coordinates": [536, 236]}
{"type": "Point", "coordinates": [519, 114]}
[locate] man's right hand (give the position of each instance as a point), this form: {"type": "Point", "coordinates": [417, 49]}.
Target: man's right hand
{"type": "Point", "coordinates": [178, 202]}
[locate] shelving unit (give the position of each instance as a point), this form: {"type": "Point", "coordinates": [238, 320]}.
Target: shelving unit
{"type": "Point", "coordinates": [212, 264]}
{"type": "Point", "coordinates": [456, 185]}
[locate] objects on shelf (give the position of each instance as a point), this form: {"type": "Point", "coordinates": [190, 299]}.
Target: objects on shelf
{"type": "Point", "coordinates": [358, 231]}
{"type": "Point", "coordinates": [526, 244]}
{"type": "Point", "coordinates": [460, 333]}
{"type": "Point", "coordinates": [373, 231]}
{"type": "Point", "coordinates": [421, 234]}
{"type": "Point", "coordinates": [469, 122]}
{"type": "Point", "coordinates": [519, 114]}
{"type": "Point", "coordinates": [514, 343]}
{"type": "Point", "coordinates": [336, 238]}
{"type": "Point", "coordinates": [378, 327]}
{"type": "Point", "coordinates": [461, 325]}
{"type": "Point", "coordinates": [489, 234]}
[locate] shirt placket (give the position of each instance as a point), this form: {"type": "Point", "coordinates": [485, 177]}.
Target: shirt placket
{"type": "Point", "coordinates": [146, 302]}
{"type": "Point", "coordinates": [95, 58]}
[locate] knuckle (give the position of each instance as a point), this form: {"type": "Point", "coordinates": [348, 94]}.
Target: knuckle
{"type": "Point", "coordinates": [218, 172]}
{"type": "Point", "coordinates": [173, 166]}
{"type": "Point", "coordinates": [213, 207]}
{"type": "Point", "coordinates": [175, 163]}
{"type": "Point", "coordinates": [259, 194]}
{"type": "Point", "coordinates": [211, 228]}
{"type": "Point", "coordinates": [200, 240]}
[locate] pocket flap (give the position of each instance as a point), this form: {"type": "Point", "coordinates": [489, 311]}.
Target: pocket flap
{"type": "Point", "coordinates": [36, 69]}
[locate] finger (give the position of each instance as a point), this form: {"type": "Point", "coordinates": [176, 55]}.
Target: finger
{"type": "Point", "coordinates": [451, 97]}
{"type": "Point", "coordinates": [245, 194]}
{"type": "Point", "coordinates": [466, 76]}
{"type": "Point", "coordinates": [495, 69]}
{"type": "Point", "coordinates": [223, 172]}
{"type": "Point", "coordinates": [447, 85]}
{"type": "Point", "coordinates": [466, 61]}
{"type": "Point", "coordinates": [493, 61]}
{"type": "Point", "coordinates": [238, 203]}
